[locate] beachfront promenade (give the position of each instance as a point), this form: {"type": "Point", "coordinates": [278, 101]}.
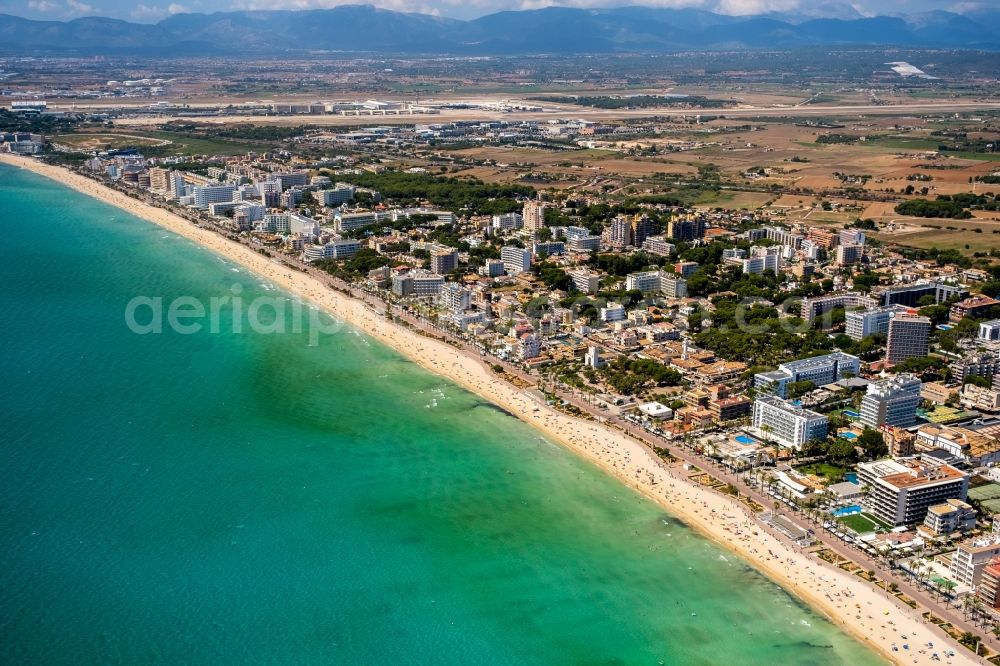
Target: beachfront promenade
{"type": "Point", "coordinates": [864, 610]}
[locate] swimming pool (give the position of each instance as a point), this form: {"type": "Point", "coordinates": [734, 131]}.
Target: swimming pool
{"type": "Point", "coordinates": [849, 435]}
{"type": "Point", "coordinates": [847, 510]}
{"type": "Point", "coordinates": [743, 439]}
{"type": "Point", "coordinates": [851, 477]}
{"type": "Point", "coordinates": [851, 413]}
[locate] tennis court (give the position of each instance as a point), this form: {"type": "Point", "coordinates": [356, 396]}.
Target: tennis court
{"type": "Point", "coordinates": [988, 496]}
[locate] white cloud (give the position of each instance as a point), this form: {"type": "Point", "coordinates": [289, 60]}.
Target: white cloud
{"type": "Point", "coordinates": [586, 4]}
{"type": "Point", "coordinates": [290, 4]}
{"type": "Point", "coordinates": [748, 7]}
{"type": "Point", "coordinates": [864, 11]}
{"type": "Point", "coordinates": [467, 7]}
{"type": "Point", "coordinates": [479, 7]}
{"type": "Point", "coordinates": [65, 10]}
{"type": "Point", "coordinates": [43, 6]}
{"type": "Point", "coordinates": [147, 12]}
{"type": "Point", "coordinates": [395, 5]}
{"type": "Point", "coordinates": [966, 7]}
{"type": "Point", "coordinates": [155, 12]}
{"type": "Point", "coordinates": [76, 7]}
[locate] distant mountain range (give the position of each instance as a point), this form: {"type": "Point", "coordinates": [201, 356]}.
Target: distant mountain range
{"type": "Point", "coordinates": [554, 30]}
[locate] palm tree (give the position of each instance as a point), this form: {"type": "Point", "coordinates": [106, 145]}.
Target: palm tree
{"type": "Point", "coordinates": [766, 430]}
{"type": "Point", "coordinates": [977, 608]}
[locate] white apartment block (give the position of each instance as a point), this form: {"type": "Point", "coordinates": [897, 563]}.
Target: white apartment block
{"type": "Point", "coordinates": [344, 222]}
{"type": "Point", "coordinates": [515, 259]}
{"type": "Point", "coordinates": [908, 337]}
{"type": "Point", "coordinates": [288, 223]}
{"type": "Point", "coordinates": [901, 490]}
{"type": "Point", "coordinates": [454, 297]}
{"type": "Point", "coordinates": [989, 331]}
{"type": "Point", "coordinates": [613, 312]}
{"type": "Point", "coordinates": [848, 255]}
{"type": "Point", "coordinates": [507, 221]}
{"type": "Point", "coordinates": [644, 282]}
{"type": "Point", "coordinates": [549, 248]}
{"type": "Point", "coordinates": [584, 244]}
{"type": "Point", "coordinates": [759, 264]}
{"type": "Point", "coordinates": [417, 283]}
{"type": "Point", "coordinates": [818, 305]}
{"type": "Point", "coordinates": [852, 237]}
{"type": "Point", "coordinates": [289, 180]}
{"type": "Point", "coordinates": [533, 215]}
{"type": "Point", "coordinates": [336, 196]}
{"type": "Point", "coordinates": [253, 211]}
{"type": "Point", "coordinates": [335, 249]}
{"type": "Point", "coordinates": [862, 323]}
{"type": "Point", "coordinates": [673, 286]}
{"type": "Point", "coordinates": [585, 281]}
{"type": "Point", "coordinates": [659, 246]}
{"type": "Point", "coordinates": [787, 424]}
{"type": "Point", "coordinates": [528, 346]}
{"type": "Point", "coordinates": [209, 194]}
{"type": "Point", "coordinates": [669, 284]}
{"type": "Point", "coordinates": [952, 516]}
{"type": "Point", "coordinates": [493, 268]}
{"type": "Point", "coordinates": [819, 370]}
{"type": "Point", "coordinates": [970, 559]}
{"type": "Point", "coordinates": [892, 402]}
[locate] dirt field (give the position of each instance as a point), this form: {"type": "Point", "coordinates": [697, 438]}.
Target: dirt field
{"type": "Point", "coordinates": [106, 141]}
{"type": "Point", "coordinates": [737, 200]}
{"type": "Point", "coordinates": [948, 235]}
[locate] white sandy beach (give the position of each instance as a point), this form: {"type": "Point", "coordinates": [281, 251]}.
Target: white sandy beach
{"type": "Point", "coordinates": [875, 617]}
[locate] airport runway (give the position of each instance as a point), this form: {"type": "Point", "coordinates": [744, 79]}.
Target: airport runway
{"type": "Point", "coordinates": [559, 112]}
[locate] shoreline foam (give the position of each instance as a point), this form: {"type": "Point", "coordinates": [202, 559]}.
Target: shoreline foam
{"type": "Point", "coordinates": [875, 618]}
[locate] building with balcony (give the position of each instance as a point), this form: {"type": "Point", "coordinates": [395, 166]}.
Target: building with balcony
{"type": "Point", "coordinates": [952, 516]}
{"type": "Point", "coordinates": [908, 336]}
{"type": "Point", "coordinates": [516, 260]}
{"type": "Point", "coordinates": [910, 295]}
{"type": "Point", "coordinates": [863, 323]}
{"type": "Point", "coordinates": [819, 370]}
{"type": "Point", "coordinates": [891, 402]}
{"type": "Point", "coordinates": [970, 560]}
{"type": "Point", "coordinates": [975, 307]}
{"type": "Point", "coordinates": [820, 305]}
{"type": "Point", "coordinates": [789, 425]}
{"type": "Point", "coordinates": [901, 490]}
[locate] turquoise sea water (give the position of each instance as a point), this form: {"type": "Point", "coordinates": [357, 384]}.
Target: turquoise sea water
{"type": "Point", "coordinates": [243, 498]}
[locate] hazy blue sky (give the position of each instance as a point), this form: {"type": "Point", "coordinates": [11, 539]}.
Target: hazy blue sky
{"type": "Point", "coordinates": [149, 11]}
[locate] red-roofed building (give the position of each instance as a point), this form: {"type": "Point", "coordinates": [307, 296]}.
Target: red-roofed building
{"type": "Point", "coordinates": [989, 585]}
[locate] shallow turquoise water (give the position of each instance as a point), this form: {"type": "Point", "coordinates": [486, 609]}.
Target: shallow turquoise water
{"type": "Point", "coordinates": [234, 498]}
